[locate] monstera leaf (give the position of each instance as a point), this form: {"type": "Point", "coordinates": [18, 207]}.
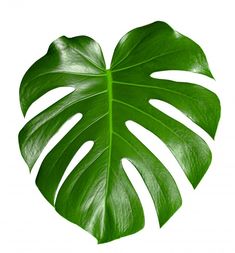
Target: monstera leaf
{"type": "Point", "coordinates": [97, 195]}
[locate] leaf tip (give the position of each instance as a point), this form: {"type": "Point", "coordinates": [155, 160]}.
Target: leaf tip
{"type": "Point", "coordinates": [23, 110]}
{"type": "Point", "coordinates": [163, 220]}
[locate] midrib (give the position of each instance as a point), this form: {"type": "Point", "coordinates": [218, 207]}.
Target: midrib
{"type": "Point", "coordinates": [110, 114]}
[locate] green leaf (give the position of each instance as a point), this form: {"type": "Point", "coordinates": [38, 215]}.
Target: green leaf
{"type": "Point", "coordinates": [97, 195]}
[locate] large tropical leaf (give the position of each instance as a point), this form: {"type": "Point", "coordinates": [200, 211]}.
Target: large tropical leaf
{"type": "Point", "coordinates": [97, 195]}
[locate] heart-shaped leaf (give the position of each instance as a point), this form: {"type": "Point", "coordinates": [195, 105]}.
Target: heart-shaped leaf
{"type": "Point", "coordinates": [97, 195]}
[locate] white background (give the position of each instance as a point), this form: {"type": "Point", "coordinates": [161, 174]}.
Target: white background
{"type": "Point", "coordinates": [206, 221]}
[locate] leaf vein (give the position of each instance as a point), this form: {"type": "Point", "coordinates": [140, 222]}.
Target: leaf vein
{"type": "Point", "coordinates": [155, 87]}
{"type": "Point", "coordinates": [149, 115]}
{"type": "Point", "coordinates": [148, 60]}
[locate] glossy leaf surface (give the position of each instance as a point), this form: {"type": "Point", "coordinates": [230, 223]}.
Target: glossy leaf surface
{"type": "Point", "coordinates": [97, 195]}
